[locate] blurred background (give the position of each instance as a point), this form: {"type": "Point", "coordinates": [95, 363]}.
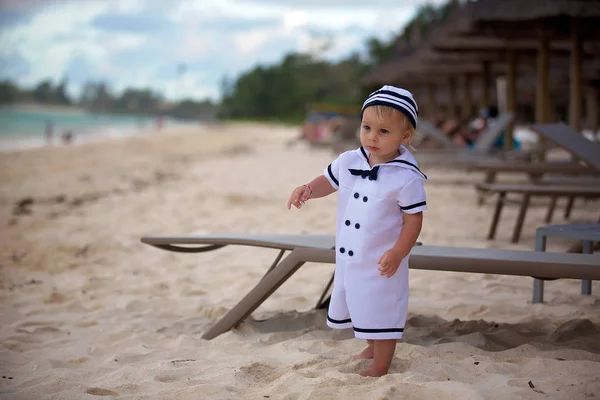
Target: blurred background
{"type": "Point", "coordinates": [113, 67]}
{"type": "Point", "coordinates": [73, 69]}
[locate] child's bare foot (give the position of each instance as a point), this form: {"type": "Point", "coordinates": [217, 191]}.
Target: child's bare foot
{"type": "Point", "coordinates": [374, 371]}
{"type": "Point", "coordinates": [366, 353]}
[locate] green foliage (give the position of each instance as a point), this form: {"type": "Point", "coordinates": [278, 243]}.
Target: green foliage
{"type": "Point", "coordinates": [137, 101]}
{"type": "Point", "coordinates": [425, 19]}
{"type": "Point", "coordinates": [9, 93]}
{"type": "Point", "coordinates": [284, 90]}
{"type": "Point", "coordinates": [189, 109]}
{"type": "Point", "coordinates": [97, 97]}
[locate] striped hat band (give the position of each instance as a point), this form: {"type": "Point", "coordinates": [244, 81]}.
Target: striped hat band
{"type": "Point", "coordinates": [400, 99]}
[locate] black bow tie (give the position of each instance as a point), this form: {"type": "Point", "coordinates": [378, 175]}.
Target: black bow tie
{"type": "Point", "coordinates": [363, 173]}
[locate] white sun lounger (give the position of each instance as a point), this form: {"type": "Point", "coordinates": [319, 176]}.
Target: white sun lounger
{"type": "Point", "coordinates": [321, 249]}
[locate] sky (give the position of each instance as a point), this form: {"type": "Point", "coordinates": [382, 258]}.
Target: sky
{"type": "Point", "coordinates": [181, 48]}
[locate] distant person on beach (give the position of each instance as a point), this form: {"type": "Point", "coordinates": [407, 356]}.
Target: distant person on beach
{"type": "Point", "coordinates": [160, 122]}
{"type": "Point", "coordinates": [486, 119]}
{"type": "Point", "coordinates": [379, 217]}
{"type": "Point", "coordinates": [49, 132]}
{"type": "Point", "coordinates": [67, 137]}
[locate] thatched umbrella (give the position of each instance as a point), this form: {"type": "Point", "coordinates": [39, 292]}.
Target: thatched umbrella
{"type": "Point", "coordinates": [441, 73]}
{"type": "Point", "coordinates": [543, 20]}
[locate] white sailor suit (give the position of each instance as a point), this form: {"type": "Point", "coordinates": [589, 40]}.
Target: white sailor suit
{"type": "Point", "coordinates": [368, 223]}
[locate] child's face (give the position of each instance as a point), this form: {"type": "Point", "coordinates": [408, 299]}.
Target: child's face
{"type": "Point", "coordinates": [383, 133]}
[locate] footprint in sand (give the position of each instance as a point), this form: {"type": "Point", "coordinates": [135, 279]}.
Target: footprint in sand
{"type": "Point", "coordinates": [260, 372]}
{"type": "Point", "coordinates": [101, 392]}
{"type": "Point", "coordinates": [78, 361]}
{"type": "Point", "coordinates": [309, 374]}
{"type": "Point", "coordinates": [302, 371]}
{"type": "Point", "coordinates": [165, 378]}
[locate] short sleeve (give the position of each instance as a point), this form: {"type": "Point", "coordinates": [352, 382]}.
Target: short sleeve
{"type": "Point", "coordinates": [411, 198]}
{"type": "Point", "coordinates": [332, 172]}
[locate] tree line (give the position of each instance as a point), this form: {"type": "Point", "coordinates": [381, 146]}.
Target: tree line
{"type": "Point", "coordinates": [97, 97]}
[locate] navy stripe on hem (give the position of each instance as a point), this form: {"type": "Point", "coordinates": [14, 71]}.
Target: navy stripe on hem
{"type": "Point", "coordinates": [385, 330]}
{"type": "Point", "coordinates": [331, 175]}
{"type": "Point", "coordinates": [363, 330]}
{"type": "Point", "coordinates": [338, 321]}
{"type": "Point", "coordinates": [423, 203]}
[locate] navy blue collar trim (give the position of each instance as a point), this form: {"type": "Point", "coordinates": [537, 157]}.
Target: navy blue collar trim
{"type": "Point", "coordinates": [408, 163]}
{"type": "Point", "coordinates": [364, 153]}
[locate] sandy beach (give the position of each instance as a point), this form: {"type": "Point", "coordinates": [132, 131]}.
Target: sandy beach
{"type": "Point", "coordinates": [89, 312]}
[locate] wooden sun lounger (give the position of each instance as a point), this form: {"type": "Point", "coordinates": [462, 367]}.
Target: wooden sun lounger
{"type": "Point", "coordinates": [321, 249]}
{"type": "Point", "coordinates": [527, 191]}
{"type": "Point", "coordinates": [532, 169]}
{"type": "Point", "coordinates": [535, 171]}
{"type": "Point", "coordinates": [590, 181]}
{"type": "Point", "coordinates": [560, 135]}
{"type": "Point", "coordinates": [302, 248]}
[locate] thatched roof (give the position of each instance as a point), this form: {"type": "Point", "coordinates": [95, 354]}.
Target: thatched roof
{"type": "Point", "coordinates": [519, 19]}
{"type": "Point", "coordinates": [477, 44]}
{"type": "Point", "coordinates": [427, 66]}
{"type": "Point", "coordinates": [518, 10]}
{"type": "Point", "coordinates": [455, 48]}
{"type": "Point", "coordinates": [490, 25]}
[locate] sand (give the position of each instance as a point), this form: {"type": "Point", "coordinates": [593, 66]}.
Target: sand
{"type": "Point", "coordinates": [90, 312]}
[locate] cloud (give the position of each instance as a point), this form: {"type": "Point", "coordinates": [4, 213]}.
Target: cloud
{"type": "Point", "coordinates": [26, 4]}
{"type": "Point", "coordinates": [13, 17]}
{"type": "Point", "coordinates": [14, 12]}
{"type": "Point", "coordinates": [238, 24]}
{"type": "Point", "coordinates": [247, 43]}
{"type": "Point", "coordinates": [145, 22]}
{"type": "Point", "coordinates": [14, 65]}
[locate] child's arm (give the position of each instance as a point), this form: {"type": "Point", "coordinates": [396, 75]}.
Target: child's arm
{"type": "Point", "coordinates": [390, 260]}
{"type": "Point", "coordinates": [318, 187]}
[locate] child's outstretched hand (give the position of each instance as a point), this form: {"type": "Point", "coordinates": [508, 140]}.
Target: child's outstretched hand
{"type": "Point", "coordinates": [390, 261]}
{"type": "Point", "coordinates": [299, 196]}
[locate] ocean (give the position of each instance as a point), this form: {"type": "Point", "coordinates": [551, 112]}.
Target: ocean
{"type": "Point", "coordinates": [25, 127]}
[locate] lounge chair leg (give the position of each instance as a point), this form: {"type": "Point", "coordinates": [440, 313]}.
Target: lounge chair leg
{"type": "Point", "coordinates": [323, 304]}
{"type": "Point", "coordinates": [521, 218]}
{"type": "Point", "coordinates": [551, 208]}
{"type": "Point", "coordinates": [496, 217]}
{"type": "Point", "coordinates": [538, 291]}
{"type": "Point", "coordinates": [275, 262]}
{"type": "Point", "coordinates": [586, 285]}
{"type": "Point", "coordinates": [490, 177]}
{"type": "Point", "coordinates": [267, 285]}
{"type": "Point", "coordinates": [569, 207]}
{"type": "Point", "coordinates": [538, 284]}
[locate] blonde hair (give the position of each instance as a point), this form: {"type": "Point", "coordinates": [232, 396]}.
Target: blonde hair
{"type": "Point", "coordinates": [383, 112]}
